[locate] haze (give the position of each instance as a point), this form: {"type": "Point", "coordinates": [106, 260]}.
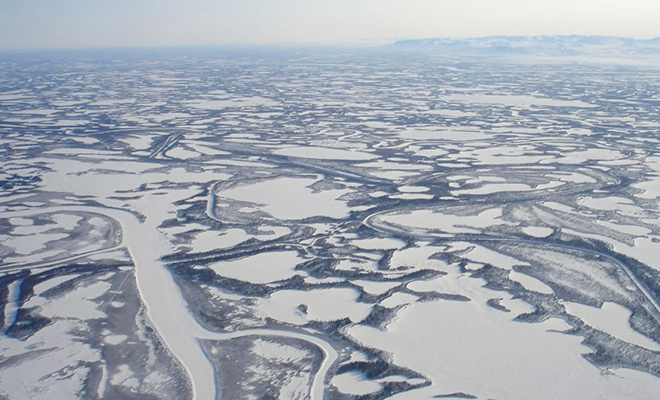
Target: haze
{"type": "Point", "coordinates": [124, 23]}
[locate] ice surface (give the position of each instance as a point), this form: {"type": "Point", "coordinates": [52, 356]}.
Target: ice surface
{"type": "Point", "coordinates": [261, 268]}
{"type": "Point", "coordinates": [447, 222]}
{"type": "Point", "coordinates": [612, 318]}
{"type": "Point", "coordinates": [513, 361]}
{"type": "Point", "coordinates": [355, 383]}
{"type": "Point", "coordinates": [515, 100]}
{"type": "Point", "coordinates": [212, 240]}
{"type": "Point", "coordinates": [378, 243]}
{"type": "Point", "coordinates": [321, 305]}
{"type": "Point", "coordinates": [291, 198]}
{"type": "Point", "coordinates": [322, 153]}
{"type": "Point", "coordinates": [538, 231]}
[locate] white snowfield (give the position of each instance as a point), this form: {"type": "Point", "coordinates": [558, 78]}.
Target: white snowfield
{"type": "Point", "coordinates": [169, 313]}
{"type": "Point", "coordinates": [289, 225]}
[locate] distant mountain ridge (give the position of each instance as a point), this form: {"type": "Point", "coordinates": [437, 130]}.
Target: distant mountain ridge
{"type": "Point", "coordinates": [550, 45]}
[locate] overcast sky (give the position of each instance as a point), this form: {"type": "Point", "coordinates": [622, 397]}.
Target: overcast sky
{"type": "Point", "coordinates": [127, 23]}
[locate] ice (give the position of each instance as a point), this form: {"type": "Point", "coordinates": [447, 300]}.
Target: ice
{"type": "Point", "coordinates": [413, 189]}
{"type": "Point", "coordinates": [650, 189]}
{"type": "Point", "coordinates": [20, 221]}
{"type": "Point", "coordinates": [277, 351]}
{"type": "Point", "coordinates": [418, 258]}
{"type": "Point", "coordinates": [42, 287]}
{"type": "Point", "coordinates": [30, 230]}
{"type": "Point", "coordinates": [378, 243]}
{"type": "Point", "coordinates": [398, 299]}
{"type": "Point", "coordinates": [580, 157]}
{"type": "Point", "coordinates": [376, 287]}
{"type": "Point", "coordinates": [450, 223]}
{"type": "Point", "coordinates": [233, 102]}
{"type": "Point", "coordinates": [538, 231]}
{"type": "Point", "coordinates": [291, 198]}
{"type": "Point", "coordinates": [355, 383]}
{"type": "Point", "coordinates": [321, 305]}
{"type": "Point", "coordinates": [443, 135]}
{"type": "Point", "coordinates": [530, 283]}
{"type": "Point", "coordinates": [611, 318]}
{"type": "Point", "coordinates": [12, 306]}
{"type": "Point", "coordinates": [628, 229]}
{"type": "Point", "coordinates": [323, 153]}
{"type": "Point", "coordinates": [272, 232]}
{"type": "Point", "coordinates": [67, 221]}
{"type": "Point", "coordinates": [213, 240]}
{"type": "Point", "coordinates": [181, 153]}
{"type": "Point", "coordinates": [493, 188]}
{"type": "Point", "coordinates": [261, 268]}
{"type": "Point", "coordinates": [389, 165]}
{"type": "Point", "coordinates": [412, 196]}
{"type": "Point", "coordinates": [484, 255]}
{"type": "Point", "coordinates": [620, 204]}
{"type": "Point", "coordinates": [115, 339]}
{"type": "Point", "coordinates": [516, 100]}
{"type": "Point", "coordinates": [444, 341]}
{"type": "Point", "coordinates": [138, 142]}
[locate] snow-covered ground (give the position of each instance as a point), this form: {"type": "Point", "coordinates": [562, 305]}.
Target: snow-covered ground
{"type": "Point", "coordinates": [328, 225]}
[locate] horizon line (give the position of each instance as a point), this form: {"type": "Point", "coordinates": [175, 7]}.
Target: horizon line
{"type": "Point", "coordinates": [374, 43]}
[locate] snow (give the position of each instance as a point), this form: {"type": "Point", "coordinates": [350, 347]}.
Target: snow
{"type": "Point", "coordinates": [471, 348]}
{"type": "Point", "coordinates": [622, 205]}
{"type": "Point", "coordinates": [579, 157]}
{"type": "Point", "coordinates": [628, 229]}
{"type": "Point", "coordinates": [39, 378]}
{"type": "Point", "coordinates": [355, 383]}
{"type": "Point", "coordinates": [515, 100]}
{"type": "Point", "coordinates": [538, 231]}
{"type": "Point", "coordinates": [20, 221]}
{"type": "Point", "coordinates": [378, 243]}
{"type": "Point", "coordinates": [611, 318]}
{"type": "Point", "coordinates": [277, 351]}
{"type": "Point", "coordinates": [323, 153]}
{"type": "Point", "coordinates": [449, 223]}
{"type": "Point", "coordinates": [67, 221]}
{"type": "Point", "coordinates": [77, 304]}
{"type": "Point", "coordinates": [230, 102]}
{"type": "Point", "coordinates": [491, 188]}
{"type": "Point", "coordinates": [398, 299]}
{"type": "Point", "coordinates": [322, 305]}
{"type": "Point", "coordinates": [481, 254]}
{"type": "Point", "coordinates": [413, 189]}
{"type": "Point", "coordinates": [412, 196]}
{"type": "Point", "coordinates": [181, 153]}
{"type": "Point", "coordinates": [12, 306]}
{"type": "Point", "coordinates": [26, 245]}
{"type": "Point", "coordinates": [115, 339]}
{"type": "Point", "coordinates": [418, 258]}
{"type": "Point", "coordinates": [389, 165]}
{"type": "Point", "coordinates": [448, 135]}
{"type": "Point", "coordinates": [51, 283]}
{"type": "Point", "coordinates": [530, 283]}
{"type": "Point", "coordinates": [376, 287]}
{"type": "Point", "coordinates": [213, 240]}
{"type": "Point", "coordinates": [291, 198]}
{"type": "Point", "coordinates": [261, 268]}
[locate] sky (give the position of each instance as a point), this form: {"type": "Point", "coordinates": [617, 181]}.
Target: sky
{"type": "Point", "coordinates": [28, 24]}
